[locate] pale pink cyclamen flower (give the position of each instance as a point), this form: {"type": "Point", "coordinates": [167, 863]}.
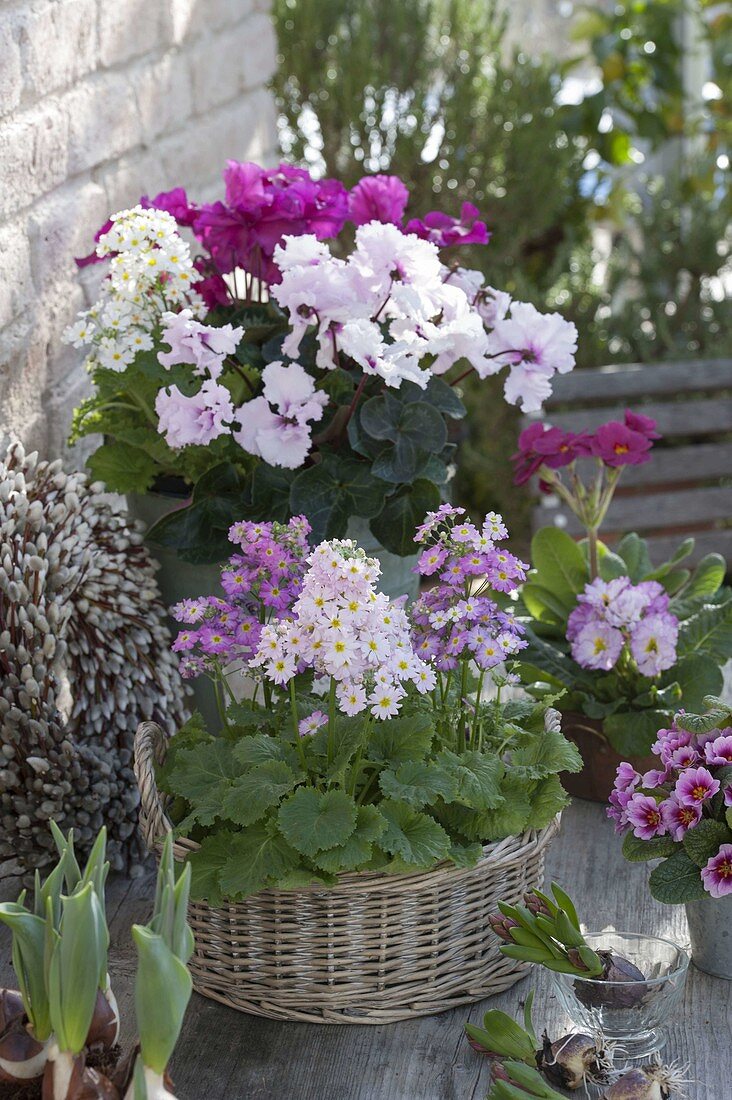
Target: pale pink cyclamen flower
{"type": "Point", "coordinates": [199, 419]}
{"type": "Point", "coordinates": [717, 875]}
{"type": "Point", "coordinates": [204, 346]}
{"type": "Point", "coordinates": [644, 814]}
{"type": "Point", "coordinates": [276, 425]}
{"type": "Point", "coordinates": [536, 346]}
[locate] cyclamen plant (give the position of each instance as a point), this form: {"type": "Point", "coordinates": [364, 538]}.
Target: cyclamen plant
{"type": "Point", "coordinates": [681, 811]}
{"type": "Point", "coordinates": [274, 375]}
{"type": "Point", "coordinates": [630, 643]}
{"type": "Point", "coordinates": [370, 746]}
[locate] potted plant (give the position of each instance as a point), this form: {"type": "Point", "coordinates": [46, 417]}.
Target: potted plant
{"type": "Point", "coordinates": [628, 642]}
{"type": "Point", "coordinates": [368, 794]}
{"type": "Point", "coordinates": [59, 1031]}
{"type": "Point", "coordinates": [680, 812]}
{"type": "Point", "coordinates": [273, 375]}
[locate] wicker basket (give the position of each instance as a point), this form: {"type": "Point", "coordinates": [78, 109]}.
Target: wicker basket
{"type": "Point", "coordinates": [374, 949]}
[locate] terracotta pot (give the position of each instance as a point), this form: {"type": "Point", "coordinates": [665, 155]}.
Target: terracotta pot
{"type": "Point", "coordinates": [595, 781]}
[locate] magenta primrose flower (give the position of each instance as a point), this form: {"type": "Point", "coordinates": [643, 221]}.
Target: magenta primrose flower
{"type": "Point", "coordinates": [717, 875]}
{"type": "Point", "coordinates": [695, 786]}
{"type": "Point", "coordinates": [616, 444]}
{"type": "Point", "coordinates": [678, 818]}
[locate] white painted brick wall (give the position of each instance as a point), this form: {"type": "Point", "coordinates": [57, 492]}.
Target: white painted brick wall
{"type": "Point", "coordinates": [102, 101]}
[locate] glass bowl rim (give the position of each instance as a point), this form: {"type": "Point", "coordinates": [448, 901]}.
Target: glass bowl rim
{"type": "Point", "coordinates": [681, 968]}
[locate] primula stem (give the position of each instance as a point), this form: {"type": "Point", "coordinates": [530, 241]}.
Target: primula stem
{"type": "Point", "coordinates": [592, 549]}
{"type": "Point", "coordinates": [295, 724]}
{"type": "Point", "coordinates": [462, 720]}
{"type": "Point", "coordinates": [474, 732]}
{"type": "Point", "coordinates": [331, 719]}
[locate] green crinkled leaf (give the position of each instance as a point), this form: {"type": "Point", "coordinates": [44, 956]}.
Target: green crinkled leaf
{"type": "Point", "coordinates": [477, 777]}
{"type": "Point", "coordinates": [414, 837]}
{"type": "Point", "coordinates": [313, 822]}
{"type": "Point", "coordinates": [632, 732]}
{"type": "Point", "coordinates": [705, 839]}
{"type": "Point", "coordinates": [682, 551]}
{"type": "Point", "coordinates": [465, 855]}
{"type": "Point", "coordinates": [707, 578]}
{"type": "Point", "coordinates": [206, 866]}
{"type": "Point", "coordinates": [251, 795]}
{"type": "Point", "coordinates": [356, 852]}
{"type": "Point", "coordinates": [418, 783]}
{"type": "Point", "coordinates": [559, 564]}
{"type": "Point", "coordinates": [395, 524]}
{"type": "Point", "coordinates": [333, 490]}
{"type": "Point", "coordinates": [546, 800]}
{"type": "Point", "coordinates": [717, 717]}
{"type": "Point", "coordinates": [204, 767]}
{"type": "Point", "coordinates": [709, 631]}
{"type": "Point", "coordinates": [549, 751]}
{"type": "Point", "coordinates": [512, 816]}
{"type": "Point", "coordinates": [636, 850]}
{"type": "Point", "coordinates": [258, 748]}
{"type": "Point", "coordinates": [258, 857]}
{"type": "Point", "coordinates": [349, 734]}
{"type": "Point", "coordinates": [406, 738]}
{"type": "Point", "coordinates": [676, 880]}
{"type": "Point", "coordinates": [634, 552]}
{"type": "Point", "coordinates": [122, 467]}
{"type": "Point", "coordinates": [610, 565]}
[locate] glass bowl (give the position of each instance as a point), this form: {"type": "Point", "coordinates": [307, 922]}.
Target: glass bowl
{"type": "Point", "coordinates": [631, 1014]}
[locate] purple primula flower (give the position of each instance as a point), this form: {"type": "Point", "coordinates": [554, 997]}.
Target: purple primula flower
{"type": "Point", "coordinates": [601, 595]}
{"type": "Point", "coordinates": [717, 875]}
{"type": "Point", "coordinates": [653, 644]}
{"type": "Point", "coordinates": [597, 645]}
{"type": "Point", "coordinates": [313, 722]}
{"type": "Point", "coordinates": [644, 814]}
{"type": "Point", "coordinates": [719, 751]}
{"type": "Point", "coordinates": [728, 795]}
{"type": "Point", "coordinates": [695, 786]}
{"type": "Point", "coordinates": [654, 778]}
{"type": "Point", "coordinates": [678, 817]}
{"type": "Point", "coordinates": [626, 777]}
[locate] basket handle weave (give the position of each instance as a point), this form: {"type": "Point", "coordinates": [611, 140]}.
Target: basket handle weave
{"type": "Point", "coordinates": [151, 747]}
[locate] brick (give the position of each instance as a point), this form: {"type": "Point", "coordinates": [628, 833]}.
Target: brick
{"type": "Point", "coordinates": [187, 19]}
{"type": "Point", "coordinates": [137, 173]}
{"type": "Point", "coordinates": [162, 93]}
{"type": "Point", "coordinates": [11, 79]}
{"type": "Point", "coordinates": [103, 120]}
{"type": "Point", "coordinates": [60, 227]}
{"type": "Point", "coordinates": [34, 154]}
{"type": "Point", "coordinates": [129, 28]}
{"type": "Point", "coordinates": [235, 60]}
{"type": "Point", "coordinates": [59, 44]}
{"type": "Point", "coordinates": [61, 398]}
{"type": "Point", "coordinates": [259, 50]}
{"type": "Point", "coordinates": [16, 288]}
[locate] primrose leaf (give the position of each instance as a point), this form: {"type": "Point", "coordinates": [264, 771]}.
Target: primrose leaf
{"type": "Point", "coordinates": [251, 795]}
{"type": "Point", "coordinates": [559, 564]}
{"type": "Point", "coordinates": [402, 739]}
{"type": "Point", "coordinates": [258, 857]}
{"type": "Point", "coordinates": [205, 767]}
{"type": "Point", "coordinates": [549, 752]}
{"type": "Point", "coordinates": [206, 866]}
{"type": "Point", "coordinates": [356, 851]}
{"type": "Point", "coordinates": [313, 822]}
{"type": "Point", "coordinates": [418, 783]}
{"type": "Point", "coordinates": [511, 817]}
{"type": "Point", "coordinates": [258, 748]}
{"type": "Point", "coordinates": [676, 880]}
{"type": "Point", "coordinates": [122, 467]}
{"type": "Point", "coordinates": [708, 631]}
{"type": "Point", "coordinates": [705, 839]}
{"type": "Point", "coordinates": [465, 855]}
{"type": "Point", "coordinates": [413, 836]}
{"type": "Point", "coordinates": [707, 577]}
{"type": "Point", "coordinates": [636, 850]}
{"type": "Point", "coordinates": [477, 777]}
{"type": "Point", "coordinates": [717, 717]}
{"type": "Point", "coordinates": [634, 552]}
{"type": "Point", "coordinates": [547, 799]}
{"type": "Point", "coordinates": [697, 675]}
{"type": "Point", "coordinates": [631, 733]}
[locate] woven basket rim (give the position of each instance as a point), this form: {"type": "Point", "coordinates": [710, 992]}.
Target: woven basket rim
{"type": "Point", "coordinates": [150, 747]}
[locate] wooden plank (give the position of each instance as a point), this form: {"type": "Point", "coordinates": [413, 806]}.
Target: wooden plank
{"type": "Point", "coordinates": [662, 547]}
{"type": "Point", "coordinates": [652, 511]}
{"type": "Point", "coordinates": [681, 418]}
{"type": "Point", "coordinates": [224, 1054]}
{"type": "Point", "coordinates": [696, 463]}
{"type": "Point", "coordinates": [624, 381]}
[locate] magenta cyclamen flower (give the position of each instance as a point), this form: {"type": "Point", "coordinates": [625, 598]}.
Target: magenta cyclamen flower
{"type": "Point", "coordinates": [378, 199]}
{"type": "Point", "coordinates": [717, 875]}
{"type": "Point", "coordinates": [444, 230]}
{"type": "Point", "coordinates": [695, 786]}
{"type": "Point", "coordinates": [644, 814]}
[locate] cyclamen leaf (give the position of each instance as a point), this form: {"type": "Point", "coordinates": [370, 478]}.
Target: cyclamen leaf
{"type": "Point", "coordinates": [705, 839]}
{"type": "Point", "coordinates": [477, 776]}
{"type": "Point", "coordinates": [676, 880]}
{"type": "Point", "coordinates": [314, 822]}
{"type": "Point", "coordinates": [357, 850]}
{"type": "Point", "coordinates": [258, 857]}
{"type": "Point", "coordinates": [251, 795]}
{"type": "Point", "coordinates": [418, 783]}
{"type": "Point", "coordinates": [413, 836]}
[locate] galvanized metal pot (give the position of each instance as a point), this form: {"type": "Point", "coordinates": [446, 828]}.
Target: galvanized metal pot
{"type": "Point", "coordinates": [710, 930]}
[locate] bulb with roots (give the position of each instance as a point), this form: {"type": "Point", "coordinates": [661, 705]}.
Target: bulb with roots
{"type": "Point", "coordinates": [652, 1082]}
{"type": "Point", "coordinates": [67, 1077]}
{"type": "Point", "coordinates": [615, 969]}
{"type": "Point", "coordinates": [576, 1059]}
{"type": "Point", "coordinates": [22, 1056]}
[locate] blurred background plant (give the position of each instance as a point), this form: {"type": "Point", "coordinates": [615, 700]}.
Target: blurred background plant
{"type": "Point", "coordinates": [602, 172]}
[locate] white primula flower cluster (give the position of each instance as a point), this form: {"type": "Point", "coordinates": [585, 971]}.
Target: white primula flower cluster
{"type": "Point", "coordinates": [150, 272]}
{"type": "Point", "coordinates": [398, 312]}
{"type": "Point", "coordinates": [342, 628]}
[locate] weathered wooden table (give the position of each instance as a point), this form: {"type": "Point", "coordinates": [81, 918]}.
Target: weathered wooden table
{"type": "Point", "coordinates": [225, 1055]}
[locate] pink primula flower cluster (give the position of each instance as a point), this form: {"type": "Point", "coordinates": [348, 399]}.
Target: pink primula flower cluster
{"type": "Point", "coordinates": [617, 617]}
{"type": "Point", "coordinates": [674, 798]}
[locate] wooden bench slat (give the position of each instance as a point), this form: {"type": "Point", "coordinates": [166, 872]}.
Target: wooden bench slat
{"type": "Point", "coordinates": [631, 380]}
{"type": "Point", "coordinates": [687, 418]}
{"type": "Point", "coordinates": [653, 511]}
{"type": "Point", "coordinates": [677, 465]}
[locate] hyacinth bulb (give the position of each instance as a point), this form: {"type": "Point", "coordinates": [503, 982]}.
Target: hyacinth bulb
{"type": "Point", "coordinates": [67, 1077]}
{"type": "Point", "coordinates": [651, 1082]}
{"type": "Point", "coordinates": [575, 1060]}
{"type": "Point", "coordinates": [22, 1057]}
{"type": "Point", "coordinates": [615, 969]}
{"type": "Point", "coordinates": [104, 1028]}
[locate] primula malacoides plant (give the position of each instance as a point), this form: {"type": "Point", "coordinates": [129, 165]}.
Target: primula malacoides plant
{"type": "Point", "coordinates": [628, 641]}
{"type": "Point", "coordinates": [275, 374]}
{"type": "Point", "coordinates": [681, 811]}
{"type": "Point", "coordinates": [366, 742]}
